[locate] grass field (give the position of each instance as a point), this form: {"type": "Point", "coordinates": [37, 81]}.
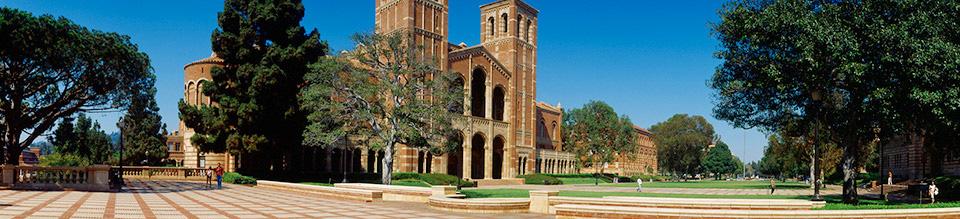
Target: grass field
{"type": "Point", "coordinates": [833, 202]}
{"type": "Point", "coordinates": [523, 193]}
{"type": "Point", "coordinates": [715, 184]}
{"type": "Point", "coordinates": [579, 180]}
{"type": "Point", "coordinates": [402, 182]}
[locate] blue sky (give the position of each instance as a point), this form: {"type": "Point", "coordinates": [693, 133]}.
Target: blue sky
{"type": "Point", "coordinates": [648, 59]}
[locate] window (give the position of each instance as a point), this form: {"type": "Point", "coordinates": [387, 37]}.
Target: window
{"type": "Point", "coordinates": [492, 25]}
{"type": "Point", "coordinates": [505, 22]}
{"type": "Point", "coordinates": [519, 18]}
{"type": "Point", "coordinates": [528, 31]}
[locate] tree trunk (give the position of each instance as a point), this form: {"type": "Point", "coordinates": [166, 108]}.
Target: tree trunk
{"type": "Point", "coordinates": [12, 146]}
{"type": "Point", "coordinates": [849, 166]}
{"type": "Point", "coordinates": [387, 171]}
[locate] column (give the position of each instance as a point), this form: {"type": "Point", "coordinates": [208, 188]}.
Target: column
{"type": "Point", "coordinates": [467, 161]}
{"type": "Point", "coordinates": [327, 161]}
{"type": "Point", "coordinates": [488, 154]}
{"type": "Point", "coordinates": [489, 99]}
{"type": "Point", "coordinates": [363, 161]}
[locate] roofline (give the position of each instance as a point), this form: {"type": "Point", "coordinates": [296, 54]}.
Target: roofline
{"type": "Point", "coordinates": [521, 3]}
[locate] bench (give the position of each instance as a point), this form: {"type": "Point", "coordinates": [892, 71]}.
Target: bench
{"type": "Point", "coordinates": [335, 192]}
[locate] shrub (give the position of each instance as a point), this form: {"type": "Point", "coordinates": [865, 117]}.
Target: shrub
{"type": "Point", "coordinates": [949, 186]}
{"type": "Point", "coordinates": [63, 160]}
{"type": "Point", "coordinates": [405, 175]}
{"type": "Point", "coordinates": [236, 178]}
{"type": "Point", "coordinates": [540, 179]}
{"type": "Point", "coordinates": [444, 179]}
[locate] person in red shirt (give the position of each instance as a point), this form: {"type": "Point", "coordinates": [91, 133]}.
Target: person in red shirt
{"type": "Point", "coordinates": [219, 172]}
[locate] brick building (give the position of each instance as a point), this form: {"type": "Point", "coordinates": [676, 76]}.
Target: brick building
{"type": "Point", "coordinates": [642, 161]}
{"type": "Point", "coordinates": [504, 131]}
{"type": "Point", "coordinates": [905, 157]}
{"type": "Point", "coordinates": [179, 147]}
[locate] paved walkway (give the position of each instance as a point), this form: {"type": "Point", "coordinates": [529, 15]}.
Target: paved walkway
{"type": "Point", "coordinates": [830, 190]}
{"type": "Point", "coordinates": [174, 199]}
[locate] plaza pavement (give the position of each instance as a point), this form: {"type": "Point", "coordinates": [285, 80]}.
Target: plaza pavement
{"type": "Point", "coordinates": [175, 199]}
{"type": "Point", "coordinates": [830, 190]}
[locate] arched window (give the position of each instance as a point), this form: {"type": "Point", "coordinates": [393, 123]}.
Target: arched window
{"type": "Point", "coordinates": [456, 106]}
{"type": "Point", "coordinates": [505, 22]}
{"type": "Point", "coordinates": [498, 103]}
{"type": "Point", "coordinates": [478, 91]}
{"type": "Point", "coordinates": [492, 25]}
{"type": "Point", "coordinates": [519, 18]}
{"type": "Point", "coordinates": [528, 31]}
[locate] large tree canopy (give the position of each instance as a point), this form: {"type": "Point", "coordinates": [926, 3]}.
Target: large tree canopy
{"type": "Point", "coordinates": [851, 65]}
{"type": "Point", "coordinates": [384, 93]}
{"type": "Point", "coordinates": [266, 54]}
{"type": "Point", "coordinates": [681, 141]}
{"type": "Point", "coordinates": [83, 140]}
{"type": "Point", "coordinates": [51, 68]}
{"type": "Point", "coordinates": [597, 135]}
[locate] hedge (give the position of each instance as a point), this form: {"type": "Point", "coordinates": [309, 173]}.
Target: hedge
{"type": "Point", "coordinates": [949, 186]}
{"type": "Point", "coordinates": [433, 178]}
{"type": "Point", "coordinates": [236, 178]}
{"type": "Point", "coordinates": [540, 179]}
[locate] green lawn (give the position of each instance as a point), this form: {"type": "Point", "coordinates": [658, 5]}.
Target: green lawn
{"type": "Point", "coordinates": [316, 183]}
{"type": "Point", "coordinates": [578, 180]}
{"type": "Point", "coordinates": [833, 202]}
{"type": "Point", "coordinates": [523, 193]}
{"type": "Point", "coordinates": [410, 182]}
{"type": "Point", "coordinates": [716, 184]}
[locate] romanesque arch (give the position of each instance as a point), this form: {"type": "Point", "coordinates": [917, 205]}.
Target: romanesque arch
{"type": "Point", "coordinates": [498, 103]}
{"type": "Point", "coordinates": [456, 86]}
{"type": "Point", "coordinates": [478, 94]}
{"type": "Point", "coordinates": [455, 155]}
{"type": "Point", "coordinates": [191, 93]}
{"type": "Point", "coordinates": [477, 156]}
{"type": "Point", "coordinates": [498, 144]}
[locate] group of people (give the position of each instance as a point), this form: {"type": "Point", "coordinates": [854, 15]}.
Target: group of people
{"type": "Point", "coordinates": [215, 172]}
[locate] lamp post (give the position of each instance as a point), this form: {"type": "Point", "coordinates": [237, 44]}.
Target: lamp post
{"type": "Point", "coordinates": [876, 138]}
{"type": "Point", "coordinates": [816, 147]}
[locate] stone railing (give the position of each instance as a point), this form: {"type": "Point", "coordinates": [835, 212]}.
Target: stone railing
{"type": "Point", "coordinates": [91, 178]}
{"type": "Point", "coordinates": [178, 173]}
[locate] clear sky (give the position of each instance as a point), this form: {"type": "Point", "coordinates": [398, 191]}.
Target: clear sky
{"type": "Point", "coordinates": [648, 59]}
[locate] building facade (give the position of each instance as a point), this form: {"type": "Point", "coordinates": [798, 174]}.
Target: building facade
{"type": "Point", "coordinates": [503, 130]}
{"type": "Point", "coordinates": [643, 160]}
{"type": "Point", "coordinates": [905, 157]}
{"type": "Point", "coordinates": [179, 147]}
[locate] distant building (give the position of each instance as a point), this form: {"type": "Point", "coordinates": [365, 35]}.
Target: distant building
{"type": "Point", "coordinates": [905, 157]}
{"type": "Point", "coordinates": [642, 161]}
{"type": "Point", "coordinates": [30, 156]}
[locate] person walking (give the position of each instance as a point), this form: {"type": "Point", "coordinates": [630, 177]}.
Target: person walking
{"type": "Point", "coordinates": [639, 184]}
{"type": "Point", "coordinates": [889, 177]}
{"type": "Point", "coordinates": [773, 186]}
{"type": "Point", "coordinates": [219, 172]}
{"type": "Point", "coordinates": [209, 173]}
{"type": "Point", "coordinates": [934, 191]}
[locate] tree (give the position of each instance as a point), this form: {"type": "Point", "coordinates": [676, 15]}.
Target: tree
{"type": "Point", "coordinates": [141, 130]}
{"type": "Point", "coordinates": [597, 135]}
{"type": "Point", "coordinates": [385, 93]}
{"type": "Point", "coordinates": [846, 66]}
{"type": "Point", "coordinates": [681, 141]}
{"type": "Point", "coordinates": [257, 117]}
{"type": "Point", "coordinates": [84, 140]}
{"type": "Point", "coordinates": [51, 68]}
{"type": "Point", "coordinates": [720, 161]}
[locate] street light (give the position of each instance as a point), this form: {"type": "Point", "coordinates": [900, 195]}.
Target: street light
{"type": "Point", "coordinates": [816, 147]}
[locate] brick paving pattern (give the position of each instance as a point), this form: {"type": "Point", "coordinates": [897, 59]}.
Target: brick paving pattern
{"type": "Point", "coordinates": [175, 199]}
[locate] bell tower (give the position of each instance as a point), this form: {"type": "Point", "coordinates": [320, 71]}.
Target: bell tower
{"type": "Point", "coordinates": [509, 32]}
{"type": "Point", "coordinates": [426, 21]}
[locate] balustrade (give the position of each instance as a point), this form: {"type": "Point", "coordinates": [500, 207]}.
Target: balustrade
{"type": "Point", "coordinates": [142, 172]}
{"type": "Point", "coordinates": [91, 178]}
